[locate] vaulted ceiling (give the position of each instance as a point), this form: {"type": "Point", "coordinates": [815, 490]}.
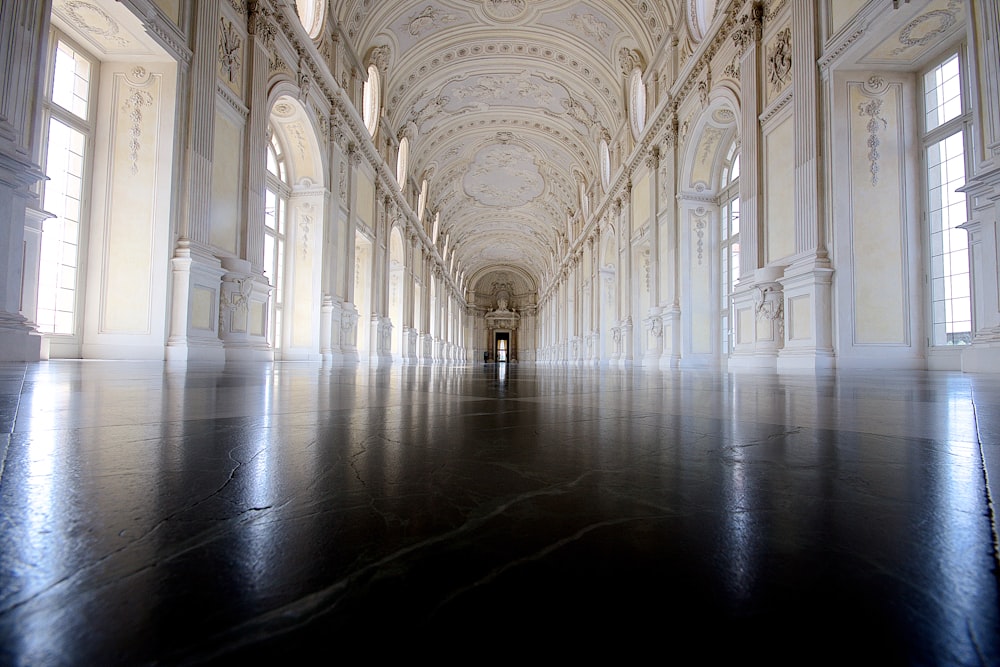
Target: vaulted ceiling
{"type": "Point", "coordinates": [504, 103]}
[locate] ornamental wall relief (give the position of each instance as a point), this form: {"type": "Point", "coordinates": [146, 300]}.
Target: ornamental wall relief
{"type": "Point", "coordinates": [871, 108]}
{"type": "Point", "coordinates": [230, 53]}
{"type": "Point", "coordinates": [779, 61]}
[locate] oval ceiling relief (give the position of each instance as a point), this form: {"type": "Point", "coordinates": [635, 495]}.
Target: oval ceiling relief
{"type": "Point", "coordinates": [503, 175]}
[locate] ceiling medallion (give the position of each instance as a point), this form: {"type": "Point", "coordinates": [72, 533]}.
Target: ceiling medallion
{"type": "Point", "coordinates": [283, 110]}
{"type": "Point", "coordinates": [505, 10]}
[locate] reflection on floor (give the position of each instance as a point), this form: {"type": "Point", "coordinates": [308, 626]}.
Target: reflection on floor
{"type": "Point", "coordinates": [284, 511]}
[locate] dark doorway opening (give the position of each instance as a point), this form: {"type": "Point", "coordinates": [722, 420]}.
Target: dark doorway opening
{"type": "Point", "coordinates": [501, 346]}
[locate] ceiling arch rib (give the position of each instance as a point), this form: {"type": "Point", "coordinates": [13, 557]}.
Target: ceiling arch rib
{"type": "Point", "coordinates": [506, 101]}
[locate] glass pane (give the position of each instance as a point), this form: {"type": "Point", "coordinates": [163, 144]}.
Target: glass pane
{"type": "Point", "coordinates": [71, 81]}
{"type": "Point", "coordinates": [951, 319]}
{"type": "Point", "coordinates": [63, 193]}
{"type": "Point", "coordinates": [735, 275]}
{"type": "Point", "coordinates": [270, 205]}
{"type": "Point", "coordinates": [943, 94]}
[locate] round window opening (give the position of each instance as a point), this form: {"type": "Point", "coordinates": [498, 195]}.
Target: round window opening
{"type": "Point", "coordinates": [311, 14]}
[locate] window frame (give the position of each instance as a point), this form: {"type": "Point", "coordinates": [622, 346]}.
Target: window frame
{"type": "Point", "coordinates": [279, 185]}
{"type": "Point", "coordinates": [729, 192]}
{"type": "Point", "coordinates": [960, 124]}
{"type": "Point", "coordinates": [371, 99]}
{"type": "Point", "coordinates": [52, 111]}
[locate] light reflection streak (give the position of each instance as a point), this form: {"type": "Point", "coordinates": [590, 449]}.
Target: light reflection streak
{"type": "Point", "coordinates": [738, 504]}
{"type": "Point", "coordinates": [257, 536]}
{"type": "Point", "coordinates": [44, 521]}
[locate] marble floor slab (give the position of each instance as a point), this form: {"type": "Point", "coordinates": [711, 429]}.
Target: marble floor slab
{"type": "Point", "coordinates": [283, 513]}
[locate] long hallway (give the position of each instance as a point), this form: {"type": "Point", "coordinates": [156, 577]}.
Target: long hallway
{"type": "Point", "coordinates": [236, 513]}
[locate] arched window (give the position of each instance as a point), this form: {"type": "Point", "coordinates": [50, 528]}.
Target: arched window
{"type": "Point", "coordinates": [275, 216]}
{"type": "Point", "coordinates": [372, 99]}
{"type": "Point", "coordinates": [700, 19]}
{"type": "Point", "coordinates": [422, 199]}
{"type": "Point", "coordinates": [636, 102]}
{"type": "Point", "coordinates": [311, 14]}
{"type": "Point", "coordinates": [605, 156]}
{"type": "Point", "coordinates": [401, 162]}
{"type": "Point", "coordinates": [729, 233]}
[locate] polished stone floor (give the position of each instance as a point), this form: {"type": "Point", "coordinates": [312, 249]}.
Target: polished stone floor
{"type": "Point", "coordinates": [292, 513]}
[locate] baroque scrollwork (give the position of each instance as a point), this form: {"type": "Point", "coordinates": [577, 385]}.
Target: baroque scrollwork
{"type": "Point", "coordinates": [769, 306]}
{"type": "Point", "coordinates": [779, 60]}
{"type": "Point", "coordinates": [749, 30]}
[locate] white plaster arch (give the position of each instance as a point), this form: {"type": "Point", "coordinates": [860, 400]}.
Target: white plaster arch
{"type": "Point", "coordinates": [297, 126]}
{"type": "Point", "coordinates": [709, 138]}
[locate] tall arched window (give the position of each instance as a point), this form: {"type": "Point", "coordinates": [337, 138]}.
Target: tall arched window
{"type": "Point", "coordinates": [729, 233]}
{"type": "Point", "coordinates": [636, 102]}
{"type": "Point", "coordinates": [605, 157]}
{"type": "Point", "coordinates": [401, 162]}
{"type": "Point", "coordinates": [372, 99]}
{"type": "Point", "coordinates": [275, 216]}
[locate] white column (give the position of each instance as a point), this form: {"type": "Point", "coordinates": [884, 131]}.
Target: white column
{"type": "Point", "coordinates": [23, 37]}
{"type": "Point", "coordinates": [807, 282]}
{"type": "Point", "coordinates": [983, 189]}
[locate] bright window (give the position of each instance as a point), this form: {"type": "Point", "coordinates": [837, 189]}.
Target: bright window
{"type": "Point", "coordinates": [729, 251]}
{"type": "Point", "coordinates": [371, 99]}
{"type": "Point", "coordinates": [945, 160]}
{"type": "Point", "coordinates": [275, 216]}
{"type": "Point", "coordinates": [637, 102]}
{"type": "Point", "coordinates": [311, 13]}
{"type": "Point", "coordinates": [401, 162]}
{"type": "Point", "coordinates": [69, 128]}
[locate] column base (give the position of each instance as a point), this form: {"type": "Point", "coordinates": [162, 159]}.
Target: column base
{"type": "Point", "coordinates": [18, 343]}
{"type": "Point", "coordinates": [806, 360]}
{"type": "Point", "coordinates": [981, 358]}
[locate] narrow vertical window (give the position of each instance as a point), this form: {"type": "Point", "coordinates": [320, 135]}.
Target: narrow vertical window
{"type": "Point", "coordinates": [637, 102]}
{"type": "Point", "coordinates": [372, 99]}
{"type": "Point", "coordinates": [729, 233]}
{"type": "Point", "coordinates": [945, 134]}
{"type": "Point", "coordinates": [275, 215]}
{"type": "Point", "coordinates": [402, 162]}
{"type": "Point", "coordinates": [69, 128]}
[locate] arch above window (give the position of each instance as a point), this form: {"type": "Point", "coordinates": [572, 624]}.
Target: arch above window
{"type": "Point", "coordinates": [311, 14]}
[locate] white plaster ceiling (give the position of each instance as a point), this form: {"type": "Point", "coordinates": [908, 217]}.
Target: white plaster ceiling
{"type": "Point", "coordinates": [505, 102]}
{"type": "Point", "coordinates": [106, 28]}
